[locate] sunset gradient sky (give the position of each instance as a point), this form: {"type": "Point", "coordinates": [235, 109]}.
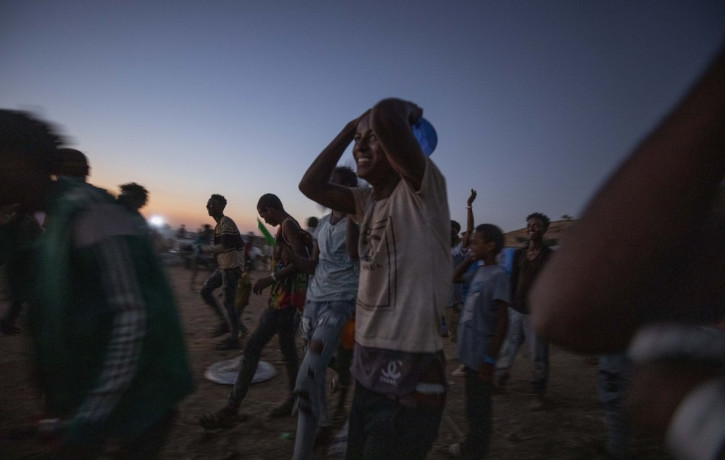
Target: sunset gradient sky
{"type": "Point", "coordinates": [535, 102]}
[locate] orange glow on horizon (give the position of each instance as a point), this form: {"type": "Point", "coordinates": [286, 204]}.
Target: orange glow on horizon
{"type": "Point", "coordinates": [176, 210]}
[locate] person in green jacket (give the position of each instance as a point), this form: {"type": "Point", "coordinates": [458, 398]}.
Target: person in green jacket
{"type": "Point", "coordinates": [110, 352]}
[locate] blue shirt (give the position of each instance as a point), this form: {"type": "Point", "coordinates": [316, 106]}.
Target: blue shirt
{"type": "Point", "coordinates": [480, 315]}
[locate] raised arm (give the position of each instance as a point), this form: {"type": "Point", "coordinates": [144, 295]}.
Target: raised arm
{"type": "Point", "coordinates": [616, 268]}
{"type": "Point", "coordinates": [466, 240]}
{"type": "Point", "coordinates": [316, 185]}
{"type": "Point", "coordinates": [391, 120]}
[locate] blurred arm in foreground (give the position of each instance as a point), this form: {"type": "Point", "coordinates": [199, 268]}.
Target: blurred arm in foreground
{"type": "Point", "coordinates": [649, 249]}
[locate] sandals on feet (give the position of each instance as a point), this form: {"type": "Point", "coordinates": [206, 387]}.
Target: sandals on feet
{"type": "Point", "coordinates": [223, 418]}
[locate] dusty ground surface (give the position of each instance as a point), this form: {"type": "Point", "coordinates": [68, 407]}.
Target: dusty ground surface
{"type": "Point", "coordinates": [571, 426]}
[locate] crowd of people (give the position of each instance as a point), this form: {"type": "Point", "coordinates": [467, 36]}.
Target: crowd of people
{"type": "Point", "coordinates": [110, 352]}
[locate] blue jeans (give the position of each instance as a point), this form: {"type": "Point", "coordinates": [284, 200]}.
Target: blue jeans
{"type": "Point", "coordinates": [271, 322]}
{"type": "Point", "coordinates": [520, 329]}
{"type": "Point", "coordinates": [227, 279]}
{"type": "Point", "coordinates": [321, 326]}
{"type": "Point", "coordinates": [615, 372]}
{"type": "Point", "coordinates": [381, 427]}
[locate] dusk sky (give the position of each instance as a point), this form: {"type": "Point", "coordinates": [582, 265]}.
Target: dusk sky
{"type": "Point", "coordinates": [535, 102]}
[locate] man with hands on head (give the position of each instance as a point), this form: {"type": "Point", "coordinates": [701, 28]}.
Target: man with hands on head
{"type": "Point", "coordinates": [405, 275]}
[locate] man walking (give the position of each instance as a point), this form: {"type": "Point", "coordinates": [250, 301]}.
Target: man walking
{"type": "Point", "coordinates": [228, 247]}
{"type": "Point", "coordinates": [528, 262]}
{"type": "Point", "coordinates": [110, 351]}
{"type": "Point", "coordinates": [286, 298]}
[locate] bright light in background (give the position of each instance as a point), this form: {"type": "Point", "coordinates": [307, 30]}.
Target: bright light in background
{"type": "Point", "coordinates": [157, 221]}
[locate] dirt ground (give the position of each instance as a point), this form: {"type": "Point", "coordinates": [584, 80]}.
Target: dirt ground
{"type": "Point", "coordinates": [570, 427]}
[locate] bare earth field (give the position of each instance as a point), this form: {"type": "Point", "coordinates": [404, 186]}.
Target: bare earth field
{"type": "Point", "coordinates": [571, 426]}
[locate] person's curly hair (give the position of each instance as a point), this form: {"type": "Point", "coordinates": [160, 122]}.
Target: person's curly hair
{"type": "Point", "coordinates": [542, 217]}
{"type": "Point", "coordinates": [135, 191]}
{"type": "Point", "coordinates": [219, 199]}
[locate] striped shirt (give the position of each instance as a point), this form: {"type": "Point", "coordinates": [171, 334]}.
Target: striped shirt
{"type": "Point", "coordinates": [227, 235]}
{"type": "Point", "coordinates": [111, 353]}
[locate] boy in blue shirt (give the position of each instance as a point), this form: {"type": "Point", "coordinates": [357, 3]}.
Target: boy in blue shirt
{"type": "Point", "coordinates": [482, 330]}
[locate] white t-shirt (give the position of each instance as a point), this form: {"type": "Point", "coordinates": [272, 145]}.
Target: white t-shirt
{"type": "Point", "coordinates": [405, 265]}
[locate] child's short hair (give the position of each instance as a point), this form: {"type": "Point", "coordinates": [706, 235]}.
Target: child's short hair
{"type": "Point", "coordinates": [456, 225]}
{"type": "Point", "coordinates": [491, 234]}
